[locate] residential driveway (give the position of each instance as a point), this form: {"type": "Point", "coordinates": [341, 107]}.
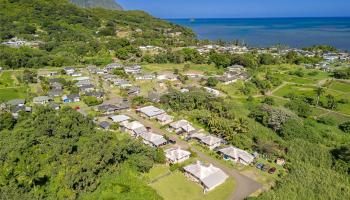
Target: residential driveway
{"type": "Point", "coordinates": [245, 186]}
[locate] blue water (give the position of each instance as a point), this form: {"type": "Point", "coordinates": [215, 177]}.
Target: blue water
{"type": "Point", "coordinates": [294, 32]}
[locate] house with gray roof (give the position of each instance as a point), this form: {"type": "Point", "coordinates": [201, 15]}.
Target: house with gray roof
{"type": "Point", "coordinates": [237, 155]}
{"type": "Point", "coordinates": [181, 126]}
{"type": "Point", "coordinates": [41, 100]}
{"type": "Point", "coordinates": [150, 111]}
{"type": "Point", "coordinates": [135, 128]}
{"type": "Point", "coordinates": [164, 119]}
{"type": "Point", "coordinates": [71, 98]}
{"type": "Point", "coordinates": [16, 102]}
{"type": "Point", "coordinates": [208, 140]}
{"type": "Point", "coordinates": [152, 139]}
{"type": "Point", "coordinates": [55, 93]}
{"type": "Point", "coordinates": [209, 176]}
{"type": "Point", "coordinates": [176, 155]}
{"type": "Point", "coordinates": [104, 125]}
{"type": "Point", "coordinates": [119, 118]}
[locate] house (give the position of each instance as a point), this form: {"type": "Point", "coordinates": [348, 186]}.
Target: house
{"type": "Point", "coordinates": [17, 109]}
{"type": "Point", "coordinates": [135, 69]}
{"type": "Point", "coordinates": [167, 77]}
{"type": "Point", "coordinates": [134, 90]}
{"type": "Point", "coordinates": [212, 91]}
{"type": "Point", "coordinates": [87, 88]}
{"type": "Point", "coordinates": [150, 111]}
{"type": "Point", "coordinates": [176, 155]}
{"type": "Point", "coordinates": [164, 119]}
{"type": "Point", "coordinates": [153, 139]}
{"type": "Point", "coordinates": [16, 102]}
{"type": "Point", "coordinates": [56, 85]}
{"type": "Point", "coordinates": [55, 92]}
{"type": "Point", "coordinates": [71, 98]}
{"type": "Point", "coordinates": [237, 155]}
{"type": "Point", "coordinates": [135, 128]}
{"type": "Point", "coordinates": [119, 118]}
{"type": "Point", "coordinates": [210, 141]}
{"type": "Point", "coordinates": [280, 161]}
{"type": "Point", "coordinates": [208, 176]}
{"type": "Point", "coordinates": [82, 83]}
{"type": "Point", "coordinates": [96, 94]}
{"type": "Point", "coordinates": [54, 106]}
{"type": "Point", "coordinates": [182, 126]}
{"type": "Point", "coordinates": [69, 70]}
{"type": "Point", "coordinates": [104, 125]}
{"type": "Point", "coordinates": [145, 77]}
{"type": "Point", "coordinates": [107, 108]}
{"type": "Point", "coordinates": [112, 66]}
{"type": "Point", "coordinates": [41, 100]}
{"type": "Point", "coordinates": [122, 83]}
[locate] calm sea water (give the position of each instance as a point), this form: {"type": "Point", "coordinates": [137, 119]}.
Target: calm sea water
{"type": "Point", "coordinates": [294, 32]}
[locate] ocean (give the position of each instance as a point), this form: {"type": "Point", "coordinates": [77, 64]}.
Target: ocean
{"type": "Point", "coordinates": [261, 32]}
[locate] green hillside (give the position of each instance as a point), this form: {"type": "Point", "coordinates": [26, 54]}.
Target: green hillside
{"type": "Point", "coordinates": [70, 35]}
{"type": "Point", "coordinates": [108, 4]}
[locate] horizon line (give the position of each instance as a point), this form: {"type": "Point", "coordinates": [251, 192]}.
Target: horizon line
{"type": "Point", "coordinates": [254, 17]}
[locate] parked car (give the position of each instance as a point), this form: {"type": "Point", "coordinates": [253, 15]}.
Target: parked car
{"type": "Point", "coordinates": [172, 141]}
{"type": "Point", "coordinates": [272, 170]}
{"type": "Point", "coordinates": [260, 166]}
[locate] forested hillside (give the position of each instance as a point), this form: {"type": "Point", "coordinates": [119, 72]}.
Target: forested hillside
{"type": "Point", "coordinates": [60, 155]}
{"type": "Point", "coordinates": [66, 34]}
{"type": "Point", "coordinates": [108, 4]}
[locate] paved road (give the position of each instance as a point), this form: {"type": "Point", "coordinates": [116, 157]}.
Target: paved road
{"type": "Point", "coordinates": [244, 186]}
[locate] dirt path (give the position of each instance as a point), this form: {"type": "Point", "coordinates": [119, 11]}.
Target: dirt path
{"type": "Point", "coordinates": [244, 186]}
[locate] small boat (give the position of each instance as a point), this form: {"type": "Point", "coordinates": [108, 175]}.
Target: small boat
{"type": "Point", "coordinates": [192, 20]}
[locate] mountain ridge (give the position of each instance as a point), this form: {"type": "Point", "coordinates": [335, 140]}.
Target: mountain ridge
{"type": "Point", "coordinates": [107, 4]}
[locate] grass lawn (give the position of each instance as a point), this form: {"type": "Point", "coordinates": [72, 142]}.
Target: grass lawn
{"type": "Point", "coordinates": [6, 79]}
{"type": "Point", "coordinates": [340, 86]}
{"type": "Point", "coordinates": [157, 171]}
{"type": "Point", "coordinates": [176, 186]}
{"type": "Point", "coordinates": [7, 94]}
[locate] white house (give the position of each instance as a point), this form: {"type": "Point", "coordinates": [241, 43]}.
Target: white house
{"type": "Point", "coordinates": [164, 119]}
{"type": "Point", "coordinates": [212, 91]}
{"type": "Point", "coordinates": [176, 155]}
{"type": "Point", "coordinates": [209, 177]}
{"type": "Point", "coordinates": [237, 155]}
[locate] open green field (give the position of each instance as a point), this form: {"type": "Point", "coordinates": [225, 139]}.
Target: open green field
{"type": "Point", "coordinates": [211, 69]}
{"type": "Point", "coordinates": [7, 94]}
{"type": "Point", "coordinates": [6, 79]}
{"type": "Point", "coordinates": [177, 186]}
{"type": "Point", "coordinates": [340, 86]}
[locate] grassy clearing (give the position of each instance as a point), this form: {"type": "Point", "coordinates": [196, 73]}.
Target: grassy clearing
{"type": "Point", "coordinates": [7, 94]}
{"type": "Point", "coordinates": [6, 79]}
{"type": "Point", "coordinates": [157, 171]}
{"type": "Point", "coordinates": [177, 186]}
{"type": "Point", "coordinates": [340, 86]}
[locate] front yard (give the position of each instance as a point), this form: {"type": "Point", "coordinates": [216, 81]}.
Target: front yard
{"type": "Point", "coordinates": [176, 186]}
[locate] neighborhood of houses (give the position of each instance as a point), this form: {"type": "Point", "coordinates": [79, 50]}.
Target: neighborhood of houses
{"type": "Point", "coordinates": [73, 85]}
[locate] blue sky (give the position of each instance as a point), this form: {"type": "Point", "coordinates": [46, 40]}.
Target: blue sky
{"type": "Point", "coordinates": [239, 8]}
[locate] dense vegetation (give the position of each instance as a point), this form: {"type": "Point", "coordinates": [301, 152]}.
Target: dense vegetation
{"type": "Point", "coordinates": [317, 155]}
{"type": "Point", "coordinates": [68, 35]}
{"type": "Point", "coordinates": [60, 155]}
{"type": "Point", "coordinates": [108, 4]}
